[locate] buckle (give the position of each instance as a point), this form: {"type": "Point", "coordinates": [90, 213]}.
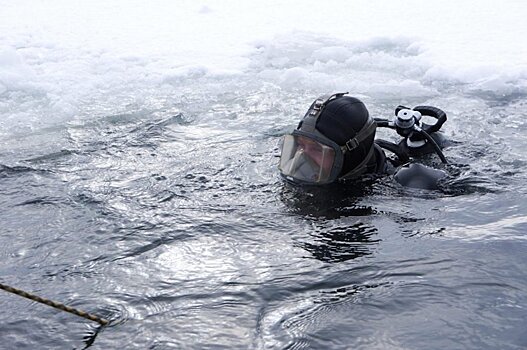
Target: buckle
{"type": "Point", "coordinates": [321, 103]}
{"type": "Point", "coordinates": [351, 144]}
{"type": "Point", "coordinates": [317, 107]}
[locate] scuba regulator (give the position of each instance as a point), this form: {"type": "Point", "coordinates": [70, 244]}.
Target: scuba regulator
{"type": "Point", "coordinates": [417, 134]}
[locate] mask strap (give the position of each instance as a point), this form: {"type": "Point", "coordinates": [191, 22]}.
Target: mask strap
{"type": "Point", "coordinates": [310, 121]}
{"type": "Point", "coordinates": [359, 169]}
{"type": "Point", "coordinates": [362, 135]}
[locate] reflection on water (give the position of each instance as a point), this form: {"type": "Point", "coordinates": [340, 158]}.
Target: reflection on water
{"type": "Point", "coordinates": [330, 202]}
{"type": "Point", "coordinates": [331, 240]}
{"type": "Point", "coordinates": [337, 244]}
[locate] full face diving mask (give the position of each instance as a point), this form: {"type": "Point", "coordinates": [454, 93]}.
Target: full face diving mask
{"type": "Point", "coordinates": [309, 157]}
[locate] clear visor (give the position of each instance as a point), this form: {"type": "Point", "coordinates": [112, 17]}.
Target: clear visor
{"type": "Point", "coordinates": [306, 159]}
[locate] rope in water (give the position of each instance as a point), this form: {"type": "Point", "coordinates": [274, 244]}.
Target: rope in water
{"type": "Point", "coordinates": [54, 304]}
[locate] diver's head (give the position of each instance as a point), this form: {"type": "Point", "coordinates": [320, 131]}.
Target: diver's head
{"type": "Point", "coordinates": [342, 120]}
{"type": "Point", "coordinates": [334, 141]}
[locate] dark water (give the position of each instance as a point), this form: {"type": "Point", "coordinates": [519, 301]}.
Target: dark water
{"type": "Point", "coordinates": [173, 223]}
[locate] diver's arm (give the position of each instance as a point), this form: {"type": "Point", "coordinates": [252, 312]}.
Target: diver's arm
{"type": "Point", "coordinates": [417, 175]}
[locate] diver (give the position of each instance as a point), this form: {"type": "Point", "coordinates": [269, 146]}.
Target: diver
{"type": "Point", "coordinates": [335, 142]}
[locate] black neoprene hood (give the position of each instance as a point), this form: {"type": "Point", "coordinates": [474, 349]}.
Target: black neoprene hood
{"type": "Point", "coordinates": [342, 118]}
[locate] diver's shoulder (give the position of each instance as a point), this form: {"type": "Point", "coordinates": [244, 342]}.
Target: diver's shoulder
{"type": "Point", "coordinates": [417, 175]}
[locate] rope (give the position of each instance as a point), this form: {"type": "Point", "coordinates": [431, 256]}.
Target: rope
{"type": "Point", "coordinates": [54, 304]}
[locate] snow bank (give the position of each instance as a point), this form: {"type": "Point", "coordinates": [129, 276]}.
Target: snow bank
{"type": "Point", "coordinates": [61, 60]}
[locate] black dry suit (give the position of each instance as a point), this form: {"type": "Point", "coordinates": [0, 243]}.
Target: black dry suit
{"type": "Point", "coordinates": [335, 141]}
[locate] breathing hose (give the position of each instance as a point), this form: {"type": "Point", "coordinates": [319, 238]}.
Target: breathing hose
{"type": "Point", "coordinates": [434, 144]}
